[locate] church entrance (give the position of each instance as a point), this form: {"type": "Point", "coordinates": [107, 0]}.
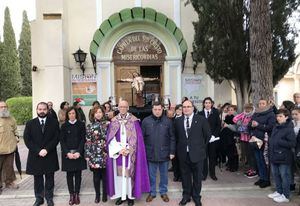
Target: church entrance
{"type": "Point", "coordinates": [152, 76]}
{"type": "Point", "coordinates": [138, 58]}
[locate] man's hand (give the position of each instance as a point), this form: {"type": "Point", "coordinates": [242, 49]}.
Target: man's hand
{"type": "Point", "coordinates": [43, 153]}
{"type": "Point", "coordinates": [172, 157]}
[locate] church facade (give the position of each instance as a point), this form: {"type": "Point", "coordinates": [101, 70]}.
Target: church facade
{"type": "Point", "coordinates": [150, 37]}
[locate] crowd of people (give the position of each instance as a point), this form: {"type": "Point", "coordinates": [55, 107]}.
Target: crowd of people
{"type": "Point", "coordinates": [124, 152]}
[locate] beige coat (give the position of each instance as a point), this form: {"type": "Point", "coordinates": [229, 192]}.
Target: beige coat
{"type": "Point", "coordinates": [8, 135]}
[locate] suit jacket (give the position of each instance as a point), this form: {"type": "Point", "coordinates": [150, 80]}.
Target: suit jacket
{"type": "Point", "coordinates": [196, 141]}
{"type": "Point", "coordinates": [35, 141]}
{"type": "Point", "coordinates": [214, 121]}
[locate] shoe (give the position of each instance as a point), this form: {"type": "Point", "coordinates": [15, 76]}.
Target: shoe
{"type": "Point", "coordinates": [76, 199]}
{"type": "Point", "coordinates": [214, 178]}
{"type": "Point", "coordinates": [12, 186]}
{"type": "Point", "coordinates": [171, 169]}
{"type": "Point", "coordinates": [119, 201]}
{"type": "Point", "coordinates": [165, 198]}
{"type": "Point", "coordinates": [130, 202]}
{"type": "Point", "coordinates": [273, 195]}
{"type": "Point", "coordinates": [258, 182]}
{"type": "Point", "coordinates": [1, 190]}
{"type": "Point", "coordinates": [104, 198]}
{"type": "Point", "coordinates": [264, 184]}
{"type": "Point", "coordinates": [50, 203]}
{"type": "Point", "coordinates": [71, 201]}
{"type": "Point", "coordinates": [184, 201]}
{"type": "Point", "coordinates": [281, 199]}
{"type": "Point", "coordinates": [38, 202]}
{"type": "Point", "coordinates": [292, 187]}
{"type": "Point", "coordinates": [150, 198]}
{"type": "Point", "coordinates": [251, 173]}
{"type": "Point", "coordinates": [97, 200]}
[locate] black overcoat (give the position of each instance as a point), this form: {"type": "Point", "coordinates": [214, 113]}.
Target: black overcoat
{"type": "Point", "coordinates": [35, 141]}
{"type": "Point", "coordinates": [72, 139]}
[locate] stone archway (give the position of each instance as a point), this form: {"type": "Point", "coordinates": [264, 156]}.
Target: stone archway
{"type": "Point", "coordinates": [128, 21]}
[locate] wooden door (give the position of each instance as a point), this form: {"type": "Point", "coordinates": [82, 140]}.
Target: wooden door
{"type": "Point", "coordinates": [124, 88]}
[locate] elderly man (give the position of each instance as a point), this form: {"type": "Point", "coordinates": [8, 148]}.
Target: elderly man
{"type": "Point", "coordinates": [126, 168]}
{"type": "Point", "coordinates": [8, 143]}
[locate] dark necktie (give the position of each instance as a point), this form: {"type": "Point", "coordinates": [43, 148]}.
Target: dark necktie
{"type": "Point", "coordinates": [187, 124]}
{"type": "Point", "coordinates": [43, 126]}
{"type": "Point", "coordinates": [207, 114]}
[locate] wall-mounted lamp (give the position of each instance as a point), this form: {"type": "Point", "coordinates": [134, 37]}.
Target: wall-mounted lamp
{"type": "Point", "coordinates": [79, 57]}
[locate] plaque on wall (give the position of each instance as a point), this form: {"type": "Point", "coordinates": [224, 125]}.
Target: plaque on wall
{"type": "Point", "coordinates": [137, 48]}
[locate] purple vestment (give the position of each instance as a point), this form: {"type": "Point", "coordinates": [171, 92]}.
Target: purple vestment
{"type": "Point", "coordinates": [139, 168]}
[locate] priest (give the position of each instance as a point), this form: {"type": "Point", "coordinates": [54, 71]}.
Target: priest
{"type": "Point", "coordinates": [127, 170]}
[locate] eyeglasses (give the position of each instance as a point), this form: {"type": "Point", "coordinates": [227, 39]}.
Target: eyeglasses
{"type": "Point", "coordinates": [187, 107]}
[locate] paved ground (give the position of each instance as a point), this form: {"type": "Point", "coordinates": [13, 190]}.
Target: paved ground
{"type": "Point", "coordinates": [232, 189]}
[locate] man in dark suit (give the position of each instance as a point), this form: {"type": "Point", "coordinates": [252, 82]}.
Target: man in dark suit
{"type": "Point", "coordinates": [192, 133]}
{"type": "Point", "coordinates": [214, 121]}
{"type": "Point", "coordinates": [41, 138]}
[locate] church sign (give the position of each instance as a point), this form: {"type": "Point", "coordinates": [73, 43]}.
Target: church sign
{"type": "Point", "coordinates": [139, 47]}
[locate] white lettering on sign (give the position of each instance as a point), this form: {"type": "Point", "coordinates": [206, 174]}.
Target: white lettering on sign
{"type": "Point", "coordinates": [83, 77]}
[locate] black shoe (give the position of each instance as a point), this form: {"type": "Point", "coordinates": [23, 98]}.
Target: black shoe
{"type": "Point", "coordinates": [38, 202]}
{"type": "Point", "coordinates": [130, 202]}
{"type": "Point", "coordinates": [104, 198]}
{"type": "Point", "coordinates": [50, 203]}
{"type": "Point", "coordinates": [214, 178]}
{"type": "Point", "coordinates": [170, 169]}
{"type": "Point", "coordinates": [264, 184]}
{"type": "Point", "coordinates": [119, 201]}
{"type": "Point", "coordinates": [97, 198]}
{"type": "Point", "coordinates": [184, 201]}
{"type": "Point", "coordinates": [258, 182]}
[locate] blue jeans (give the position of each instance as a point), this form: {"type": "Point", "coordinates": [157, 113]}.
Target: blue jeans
{"type": "Point", "coordinates": [282, 176]}
{"type": "Point", "coordinates": [163, 170]}
{"type": "Point", "coordinates": [261, 165]}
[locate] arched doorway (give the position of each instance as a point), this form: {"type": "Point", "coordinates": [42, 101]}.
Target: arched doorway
{"type": "Point", "coordinates": [148, 22]}
{"type": "Point", "coordinates": [138, 53]}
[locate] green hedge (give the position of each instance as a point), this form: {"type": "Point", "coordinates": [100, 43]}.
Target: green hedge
{"type": "Point", "coordinates": [20, 108]}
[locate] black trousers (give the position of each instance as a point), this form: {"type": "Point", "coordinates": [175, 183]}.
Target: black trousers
{"type": "Point", "coordinates": [176, 167]}
{"type": "Point", "coordinates": [98, 175]}
{"type": "Point", "coordinates": [191, 173]}
{"type": "Point", "coordinates": [44, 187]}
{"type": "Point", "coordinates": [211, 162]}
{"type": "Point", "coordinates": [74, 188]}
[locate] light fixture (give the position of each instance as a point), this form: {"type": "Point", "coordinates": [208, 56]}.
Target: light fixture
{"type": "Point", "coordinates": [80, 57]}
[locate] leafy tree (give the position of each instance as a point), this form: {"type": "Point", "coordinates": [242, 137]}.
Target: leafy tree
{"type": "Point", "coordinates": [1, 68]}
{"type": "Point", "coordinates": [10, 85]}
{"type": "Point", "coordinates": [25, 57]}
{"type": "Point", "coordinates": [222, 41]}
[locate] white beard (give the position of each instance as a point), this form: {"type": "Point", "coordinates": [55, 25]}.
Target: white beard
{"type": "Point", "coordinates": [4, 114]}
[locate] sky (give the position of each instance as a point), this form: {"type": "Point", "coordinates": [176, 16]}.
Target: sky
{"type": "Point", "coordinates": [16, 8]}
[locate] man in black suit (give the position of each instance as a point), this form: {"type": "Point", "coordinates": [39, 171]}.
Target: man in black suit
{"type": "Point", "coordinates": [192, 133]}
{"type": "Point", "coordinates": [41, 138]}
{"type": "Point", "coordinates": [214, 121]}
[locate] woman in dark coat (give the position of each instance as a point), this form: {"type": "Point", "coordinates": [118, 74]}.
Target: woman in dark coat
{"type": "Point", "coordinates": [95, 150]}
{"type": "Point", "coordinates": [72, 139]}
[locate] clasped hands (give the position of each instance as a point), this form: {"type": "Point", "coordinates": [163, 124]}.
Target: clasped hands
{"type": "Point", "coordinates": [124, 152]}
{"type": "Point", "coordinates": [75, 155]}
{"type": "Point", "coordinates": [43, 153]}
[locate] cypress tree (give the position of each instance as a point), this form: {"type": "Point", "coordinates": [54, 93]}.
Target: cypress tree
{"type": "Point", "coordinates": [10, 86]}
{"type": "Point", "coordinates": [25, 57]}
